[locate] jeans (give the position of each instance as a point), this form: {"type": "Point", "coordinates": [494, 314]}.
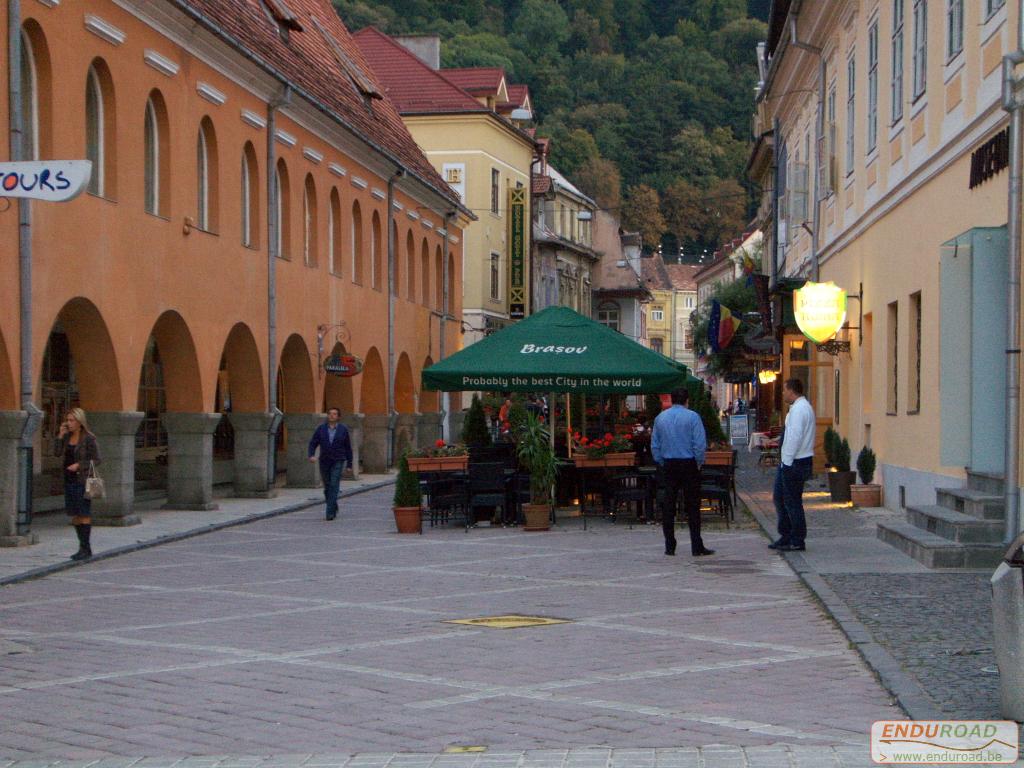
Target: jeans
{"type": "Point", "coordinates": [684, 475]}
{"type": "Point", "coordinates": [75, 503]}
{"type": "Point", "coordinates": [789, 500]}
{"type": "Point", "coordinates": [331, 476]}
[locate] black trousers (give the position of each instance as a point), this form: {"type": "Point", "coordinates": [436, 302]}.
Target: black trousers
{"type": "Point", "coordinates": [681, 474]}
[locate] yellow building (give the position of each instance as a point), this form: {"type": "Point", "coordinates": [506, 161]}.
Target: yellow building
{"type": "Point", "coordinates": [470, 131]}
{"type": "Point", "coordinates": [898, 194]}
{"type": "Point", "coordinates": [661, 310]}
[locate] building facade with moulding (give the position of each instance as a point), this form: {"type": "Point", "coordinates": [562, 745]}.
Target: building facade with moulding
{"type": "Point", "coordinates": [905, 187]}
{"type": "Point", "coordinates": [150, 301]}
{"type": "Point", "coordinates": [469, 123]}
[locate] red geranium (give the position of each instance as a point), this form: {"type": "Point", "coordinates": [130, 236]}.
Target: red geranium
{"type": "Point", "coordinates": [439, 443]}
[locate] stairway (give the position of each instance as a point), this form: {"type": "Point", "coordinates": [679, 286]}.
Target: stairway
{"type": "Point", "coordinates": [964, 529]}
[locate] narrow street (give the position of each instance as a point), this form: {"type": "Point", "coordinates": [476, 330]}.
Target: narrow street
{"type": "Point", "coordinates": [293, 636]}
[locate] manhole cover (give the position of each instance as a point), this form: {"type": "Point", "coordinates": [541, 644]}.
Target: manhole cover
{"type": "Point", "coordinates": [511, 621]}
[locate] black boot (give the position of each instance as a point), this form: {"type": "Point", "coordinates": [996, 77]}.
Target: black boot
{"type": "Point", "coordinates": [84, 550]}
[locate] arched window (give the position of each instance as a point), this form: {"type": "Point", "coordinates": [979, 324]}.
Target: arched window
{"type": "Point", "coordinates": [393, 242]}
{"type": "Point", "coordinates": [451, 285]}
{"type": "Point", "coordinates": [250, 197]}
{"type": "Point", "coordinates": [156, 165]}
{"type": "Point", "coordinates": [357, 243]}
{"type": "Point", "coordinates": [99, 129]}
{"type": "Point", "coordinates": [410, 260]}
{"type": "Point", "coordinates": [425, 272]}
{"type": "Point", "coordinates": [35, 92]}
{"type": "Point", "coordinates": [309, 223]}
{"type": "Point", "coordinates": [376, 261]}
{"type": "Point", "coordinates": [334, 248]}
{"type": "Point", "coordinates": [608, 314]}
{"type": "Point", "coordinates": [438, 279]}
{"type": "Point", "coordinates": [207, 186]}
{"type": "Point", "coordinates": [282, 211]}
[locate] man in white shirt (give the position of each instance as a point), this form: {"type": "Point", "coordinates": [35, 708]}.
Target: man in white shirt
{"type": "Point", "coordinates": [795, 469]}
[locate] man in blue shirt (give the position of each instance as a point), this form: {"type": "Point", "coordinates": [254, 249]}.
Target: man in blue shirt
{"type": "Point", "coordinates": [678, 444]}
{"type": "Point", "coordinates": [332, 439]}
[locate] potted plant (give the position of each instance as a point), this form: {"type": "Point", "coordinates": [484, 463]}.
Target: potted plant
{"type": "Point", "coordinates": [608, 451]}
{"type": "Point", "coordinates": [537, 459]}
{"type": "Point", "coordinates": [841, 478]}
{"type": "Point", "coordinates": [408, 498]}
{"type": "Point", "coordinates": [831, 438]}
{"type": "Point", "coordinates": [475, 432]}
{"type": "Point", "coordinates": [866, 494]}
{"type": "Point", "coordinates": [441, 457]}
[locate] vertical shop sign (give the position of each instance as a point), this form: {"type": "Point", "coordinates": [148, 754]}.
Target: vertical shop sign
{"type": "Point", "coordinates": [517, 247]}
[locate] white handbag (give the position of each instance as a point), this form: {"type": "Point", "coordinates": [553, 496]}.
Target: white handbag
{"type": "Point", "coordinates": [94, 483]}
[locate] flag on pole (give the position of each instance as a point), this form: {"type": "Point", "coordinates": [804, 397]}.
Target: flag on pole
{"type": "Point", "coordinates": [722, 326]}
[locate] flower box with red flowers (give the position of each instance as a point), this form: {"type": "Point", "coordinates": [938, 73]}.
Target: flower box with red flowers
{"type": "Point", "coordinates": [441, 457]}
{"type": "Point", "coordinates": [608, 451]}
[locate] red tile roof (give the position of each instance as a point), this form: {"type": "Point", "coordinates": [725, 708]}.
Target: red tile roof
{"type": "Point", "coordinates": [323, 64]}
{"type": "Point", "coordinates": [518, 94]}
{"type": "Point", "coordinates": [683, 276]}
{"type": "Point", "coordinates": [479, 81]}
{"type": "Point", "coordinates": [413, 86]}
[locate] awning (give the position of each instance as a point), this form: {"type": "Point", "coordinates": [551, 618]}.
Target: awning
{"type": "Point", "coordinates": [557, 350]}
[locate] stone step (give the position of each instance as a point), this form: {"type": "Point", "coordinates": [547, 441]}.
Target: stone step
{"type": "Point", "coordinates": [987, 482]}
{"type": "Point", "coordinates": [935, 551]}
{"type": "Point", "coordinates": [979, 504]}
{"type": "Point", "coordinates": [955, 526]}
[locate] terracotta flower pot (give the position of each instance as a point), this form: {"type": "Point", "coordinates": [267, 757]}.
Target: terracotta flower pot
{"type": "Point", "coordinates": [438, 463]}
{"type": "Point", "coordinates": [608, 460]}
{"type": "Point", "coordinates": [866, 495]}
{"type": "Point", "coordinates": [538, 517]}
{"type": "Point", "coordinates": [839, 485]}
{"type": "Point", "coordinates": [408, 519]}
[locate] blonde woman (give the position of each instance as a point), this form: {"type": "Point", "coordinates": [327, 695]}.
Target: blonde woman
{"type": "Point", "coordinates": [78, 449]}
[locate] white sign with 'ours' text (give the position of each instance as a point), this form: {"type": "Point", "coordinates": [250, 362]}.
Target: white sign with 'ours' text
{"type": "Point", "coordinates": [55, 181]}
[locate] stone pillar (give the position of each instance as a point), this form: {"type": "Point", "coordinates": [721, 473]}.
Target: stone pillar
{"type": "Point", "coordinates": [429, 429]}
{"type": "Point", "coordinates": [253, 444]}
{"type": "Point", "coordinates": [299, 427]}
{"type": "Point", "coordinates": [456, 421]}
{"type": "Point", "coordinates": [407, 428]}
{"type": "Point", "coordinates": [115, 434]}
{"type": "Point", "coordinates": [375, 444]}
{"type": "Point", "coordinates": [354, 423]}
{"type": "Point", "coordinates": [190, 459]}
{"type": "Point", "coordinates": [11, 425]}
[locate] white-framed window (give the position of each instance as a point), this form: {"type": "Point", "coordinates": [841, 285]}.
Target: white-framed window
{"type": "Point", "coordinates": [495, 189]}
{"type": "Point", "coordinates": [29, 102]}
{"type": "Point", "coordinates": [658, 345]}
{"type": "Point", "coordinates": [94, 131]}
{"type": "Point", "coordinates": [872, 86]}
{"type": "Point", "coordinates": [954, 27]}
{"type": "Point", "coordinates": [657, 314]}
{"type": "Point", "coordinates": [689, 302]}
{"type": "Point", "coordinates": [608, 314]}
{"type": "Point", "coordinates": [991, 6]}
{"type": "Point", "coordinates": [151, 162]}
{"type": "Point", "coordinates": [851, 111]}
{"type": "Point", "coordinates": [897, 61]}
{"type": "Point", "coordinates": [920, 47]}
{"type": "Point", "coordinates": [202, 181]}
{"type": "Point", "coordinates": [495, 276]}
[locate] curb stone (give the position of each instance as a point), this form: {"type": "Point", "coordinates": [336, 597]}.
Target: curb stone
{"type": "Point", "coordinates": [170, 538]}
{"type": "Point", "coordinates": [908, 693]}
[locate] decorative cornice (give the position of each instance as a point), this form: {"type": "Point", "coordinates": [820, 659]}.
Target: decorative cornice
{"type": "Point", "coordinates": [160, 63]}
{"type": "Point", "coordinates": [453, 239]}
{"type": "Point", "coordinates": [285, 138]}
{"type": "Point", "coordinates": [312, 155]}
{"type": "Point", "coordinates": [397, 206]}
{"type": "Point", "coordinates": [413, 215]}
{"type": "Point", "coordinates": [380, 194]}
{"type": "Point", "coordinates": [50, 3]}
{"type": "Point", "coordinates": [253, 119]}
{"type": "Point", "coordinates": [427, 224]}
{"type": "Point", "coordinates": [358, 183]}
{"type": "Point", "coordinates": [337, 170]}
{"type": "Point", "coordinates": [104, 29]}
{"type": "Point", "coordinates": [210, 93]}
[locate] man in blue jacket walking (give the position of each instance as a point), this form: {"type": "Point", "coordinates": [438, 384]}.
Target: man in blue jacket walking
{"type": "Point", "coordinates": [332, 439]}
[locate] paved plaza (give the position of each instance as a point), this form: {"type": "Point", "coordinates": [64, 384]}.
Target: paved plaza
{"type": "Point", "coordinates": [292, 636]}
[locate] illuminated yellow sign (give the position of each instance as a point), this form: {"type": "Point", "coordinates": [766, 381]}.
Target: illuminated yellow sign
{"type": "Point", "coordinates": [820, 310]}
{"type": "Point", "coordinates": [767, 377]}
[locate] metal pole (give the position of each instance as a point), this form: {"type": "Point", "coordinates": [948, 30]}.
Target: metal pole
{"type": "Point", "coordinates": [1013, 105]}
{"type": "Point", "coordinates": [445, 313]}
{"type": "Point", "coordinates": [816, 180]}
{"type": "Point", "coordinates": [399, 173]}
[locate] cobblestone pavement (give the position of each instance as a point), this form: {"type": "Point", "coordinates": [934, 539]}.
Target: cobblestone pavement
{"type": "Point", "coordinates": [296, 636]}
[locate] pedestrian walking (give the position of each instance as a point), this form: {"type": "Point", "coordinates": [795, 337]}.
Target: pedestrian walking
{"type": "Point", "coordinates": [80, 453]}
{"type": "Point", "coordinates": [678, 444]}
{"type": "Point", "coordinates": [335, 446]}
{"type": "Point", "coordinates": [795, 468]}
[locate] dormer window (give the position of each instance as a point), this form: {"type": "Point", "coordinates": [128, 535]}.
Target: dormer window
{"type": "Point", "coordinates": [364, 86]}
{"type": "Point", "coordinates": [282, 15]}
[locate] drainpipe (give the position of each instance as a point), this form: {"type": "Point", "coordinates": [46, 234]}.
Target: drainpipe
{"type": "Point", "coordinates": [399, 173]}
{"type": "Point", "coordinates": [272, 255]}
{"type": "Point", "coordinates": [819, 133]}
{"type": "Point", "coordinates": [1013, 105]}
{"type": "Point", "coordinates": [445, 313]}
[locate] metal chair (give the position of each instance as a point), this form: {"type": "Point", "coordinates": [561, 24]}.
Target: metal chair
{"type": "Point", "coordinates": [487, 485]}
{"type": "Point", "coordinates": [629, 489]}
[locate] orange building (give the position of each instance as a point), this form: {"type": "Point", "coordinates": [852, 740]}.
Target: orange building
{"type": "Point", "coordinates": [152, 304]}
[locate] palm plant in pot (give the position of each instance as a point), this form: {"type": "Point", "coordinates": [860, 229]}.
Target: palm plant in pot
{"type": "Point", "coordinates": [538, 459]}
{"type": "Point", "coordinates": [866, 494]}
{"type": "Point", "coordinates": [408, 499]}
{"type": "Point", "coordinates": [841, 478]}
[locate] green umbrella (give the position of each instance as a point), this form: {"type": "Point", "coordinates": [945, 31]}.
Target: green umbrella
{"type": "Point", "coordinates": [556, 350]}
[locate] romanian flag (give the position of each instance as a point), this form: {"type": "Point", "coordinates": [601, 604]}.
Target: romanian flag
{"type": "Point", "coordinates": [722, 326]}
